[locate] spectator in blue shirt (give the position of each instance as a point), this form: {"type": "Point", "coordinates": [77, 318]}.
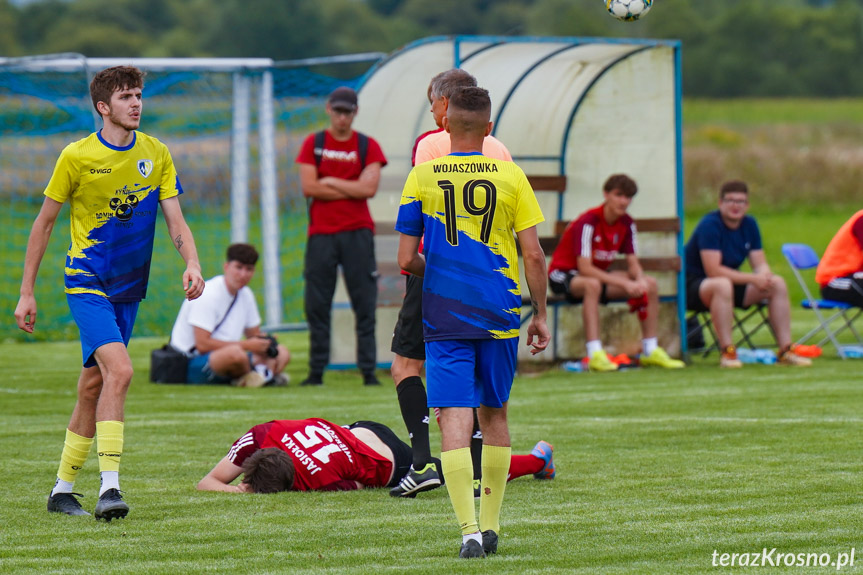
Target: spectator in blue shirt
{"type": "Point", "coordinates": [721, 242]}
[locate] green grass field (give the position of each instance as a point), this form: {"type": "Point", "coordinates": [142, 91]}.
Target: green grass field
{"type": "Point", "coordinates": [656, 470]}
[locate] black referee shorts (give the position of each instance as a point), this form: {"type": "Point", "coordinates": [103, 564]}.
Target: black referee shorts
{"type": "Point", "coordinates": [408, 333]}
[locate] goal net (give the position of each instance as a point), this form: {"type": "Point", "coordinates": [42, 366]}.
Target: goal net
{"type": "Point", "coordinates": [234, 127]}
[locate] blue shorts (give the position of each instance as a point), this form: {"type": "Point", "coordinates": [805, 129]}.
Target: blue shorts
{"type": "Point", "coordinates": [198, 370]}
{"type": "Point", "coordinates": [100, 322]}
{"type": "Point", "coordinates": [470, 372]}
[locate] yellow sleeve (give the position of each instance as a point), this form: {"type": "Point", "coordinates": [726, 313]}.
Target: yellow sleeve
{"type": "Point", "coordinates": [65, 178]}
{"type": "Point", "coordinates": [168, 185]}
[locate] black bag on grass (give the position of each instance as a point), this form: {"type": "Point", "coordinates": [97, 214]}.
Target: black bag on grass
{"type": "Point", "coordinates": [167, 365]}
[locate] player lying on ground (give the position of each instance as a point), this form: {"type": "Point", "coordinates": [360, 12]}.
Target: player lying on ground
{"type": "Point", "coordinates": [317, 455]}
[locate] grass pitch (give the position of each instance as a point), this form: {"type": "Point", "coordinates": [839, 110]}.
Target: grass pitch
{"type": "Point", "coordinates": [656, 471]}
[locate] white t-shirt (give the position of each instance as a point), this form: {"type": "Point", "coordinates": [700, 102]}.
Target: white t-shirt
{"type": "Point", "coordinates": [208, 310]}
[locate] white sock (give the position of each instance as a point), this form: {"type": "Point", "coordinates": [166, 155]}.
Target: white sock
{"type": "Point", "coordinates": [475, 536]}
{"type": "Point", "coordinates": [62, 487]}
{"type": "Point", "coordinates": [110, 480]}
{"type": "Point", "coordinates": [648, 344]}
{"type": "Point", "coordinates": [593, 346]}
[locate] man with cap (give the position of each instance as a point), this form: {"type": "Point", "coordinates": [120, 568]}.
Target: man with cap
{"type": "Point", "coordinates": [339, 171]}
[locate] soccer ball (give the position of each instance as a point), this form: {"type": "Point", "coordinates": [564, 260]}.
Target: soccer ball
{"type": "Point", "coordinates": [628, 10]}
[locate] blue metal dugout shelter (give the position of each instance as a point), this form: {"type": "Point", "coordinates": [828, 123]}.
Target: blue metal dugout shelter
{"type": "Point", "coordinates": [582, 108]}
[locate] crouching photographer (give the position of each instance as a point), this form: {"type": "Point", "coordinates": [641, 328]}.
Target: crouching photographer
{"type": "Point", "coordinates": [220, 331]}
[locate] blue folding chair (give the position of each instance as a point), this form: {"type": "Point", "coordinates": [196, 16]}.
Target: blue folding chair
{"type": "Point", "coordinates": [803, 257]}
{"type": "Point", "coordinates": [747, 323]}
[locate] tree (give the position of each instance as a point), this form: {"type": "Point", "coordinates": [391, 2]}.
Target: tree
{"type": "Point", "coordinates": [8, 26]}
{"type": "Point", "coordinates": [268, 28]}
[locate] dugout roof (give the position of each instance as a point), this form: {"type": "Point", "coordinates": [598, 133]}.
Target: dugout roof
{"type": "Point", "coordinates": [580, 107]}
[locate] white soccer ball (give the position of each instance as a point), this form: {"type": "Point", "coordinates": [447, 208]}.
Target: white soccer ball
{"type": "Point", "coordinates": [628, 10]}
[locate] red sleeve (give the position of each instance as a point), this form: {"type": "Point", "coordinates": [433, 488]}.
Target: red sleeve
{"type": "Point", "coordinates": [857, 231]}
{"type": "Point", "coordinates": [375, 153]}
{"type": "Point", "coordinates": [629, 241]}
{"type": "Point", "coordinates": [248, 444]}
{"type": "Point", "coordinates": [578, 234]}
{"type": "Point", "coordinates": [307, 151]}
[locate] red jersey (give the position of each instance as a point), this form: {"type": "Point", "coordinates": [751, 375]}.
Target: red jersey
{"type": "Point", "coordinates": [326, 456]}
{"type": "Point", "coordinates": [590, 236]}
{"type": "Point", "coordinates": [341, 160]}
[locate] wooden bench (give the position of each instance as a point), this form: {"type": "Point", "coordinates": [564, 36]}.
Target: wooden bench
{"type": "Point", "coordinates": [649, 264]}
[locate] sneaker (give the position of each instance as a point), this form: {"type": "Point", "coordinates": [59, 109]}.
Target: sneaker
{"type": "Point", "coordinates": [280, 380]}
{"type": "Point", "coordinates": [313, 379]}
{"type": "Point", "coordinates": [791, 358]}
{"type": "Point", "coordinates": [729, 358]}
{"type": "Point", "coordinates": [659, 358]}
{"type": "Point", "coordinates": [599, 362]}
{"type": "Point", "coordinates": [477, 488]}
{"type": "Point", "coordinates": [417, 482]}
{"type": "Point", "coordinates": [370, 379]}
{"type": "Point", "coordinates": [471, 550]}
{"type": "Point", "coordinates": [251, 379]}
{"type": "Point", "coordinates": [111, 506]}
{"type": "Point", "coordinates": [489, 542]}
{"type": "Point", "coordinates": [545, 451]}
{"type": "Point", "coordinates": [65, 503]}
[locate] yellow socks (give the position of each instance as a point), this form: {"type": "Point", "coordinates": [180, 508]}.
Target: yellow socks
{"type": "Point", "coordinates": [109, 442]}
{"type": "Point", "coordinates": [495, 467]}
{"type": "Point", "coordinates": [75, 451]}
{"type": "Point", "coordinates": [458, 475]}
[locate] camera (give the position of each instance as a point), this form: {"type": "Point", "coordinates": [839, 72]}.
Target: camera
{"type": "Point", "coordinates": [273, 348]}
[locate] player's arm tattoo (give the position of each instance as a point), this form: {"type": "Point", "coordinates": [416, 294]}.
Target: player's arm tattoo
{"type": "Point", "coordinates": [179, 241]}
{"type": "Point", "coordinates": [534, 306]}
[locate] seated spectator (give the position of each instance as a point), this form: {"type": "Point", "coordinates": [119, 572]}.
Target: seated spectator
{"type": "Point", "coordinates": [721, 242]}
{"type": "Point", "coordinates": [220, 331]}
{"type": "Point", "coordinates": [579, 270]}
{"type": "Point", "coordinates": [840, 271]}
{"type": "Point", "coordinates": [317, 455]}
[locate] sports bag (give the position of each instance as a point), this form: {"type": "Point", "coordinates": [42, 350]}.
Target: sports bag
{"type": "Point", "coordinates": [167, 365]}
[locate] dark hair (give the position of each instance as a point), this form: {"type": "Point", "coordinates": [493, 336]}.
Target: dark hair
{"type": "Point", "coordinates": [110, 80]}
{"type": "Point", "coordinates": [269, 470]}
{"type": "Point", "coordinates": [622, 182]}
{"type": "Point", "coordinates": [469, 110]}
{"type": "Point", "coordinates": [445, 84]}
{"type": "Point", "coordinates": [243, 253]}
{"type": "Point", "coordinates": [732, 186]}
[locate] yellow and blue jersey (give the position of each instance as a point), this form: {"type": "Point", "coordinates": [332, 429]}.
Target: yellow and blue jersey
{"type": "Point", "coordinates": [467, 208]}
{"type": "Point", "coordinates": [114, 195]}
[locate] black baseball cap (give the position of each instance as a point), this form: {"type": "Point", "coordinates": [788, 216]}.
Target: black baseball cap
{"type": "Point", "coordinates": [343, 98]}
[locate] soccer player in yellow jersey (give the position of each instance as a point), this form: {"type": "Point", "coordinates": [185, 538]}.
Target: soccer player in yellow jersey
{"type": "Point", "coordinates": [467, 207]}
{"type": "Point", "coordinates": [114, 180]}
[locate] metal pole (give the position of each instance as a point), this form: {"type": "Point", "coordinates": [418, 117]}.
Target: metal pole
{"type": "Point", "coordinates": [269, 202]}
{"type": "Point", "coordinates": [240, 158]}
